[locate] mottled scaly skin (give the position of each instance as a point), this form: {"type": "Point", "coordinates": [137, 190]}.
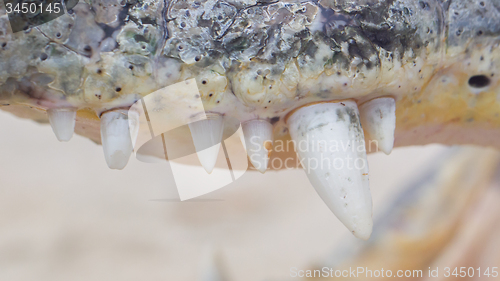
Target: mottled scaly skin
{"type": "Point", "coordinates": [262, 59]}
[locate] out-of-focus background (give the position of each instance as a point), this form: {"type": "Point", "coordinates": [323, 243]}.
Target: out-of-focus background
{"type": "Point", "coordinates": [65, 216]}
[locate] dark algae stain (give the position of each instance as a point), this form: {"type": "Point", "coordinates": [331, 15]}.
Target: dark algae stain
{"type": "Point", "coordinates": [364, 27]}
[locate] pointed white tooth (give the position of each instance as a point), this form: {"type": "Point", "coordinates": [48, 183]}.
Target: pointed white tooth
{"type": "Point", "coordinates": [115, 138]}
{"type": "Point", "coordinates": [207, 137]}
{"type": "Point", "coordinates": [330, 143]}
{"type": "Point", "coordinates": [62, 121]}
{"type": "Point", "coordinates": [378, 118]}
{"type": "Point", "coordinates": [259, 142]}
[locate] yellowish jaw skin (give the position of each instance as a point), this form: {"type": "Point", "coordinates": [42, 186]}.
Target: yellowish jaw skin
{"type": "Point", "coordinates": [446, 110]}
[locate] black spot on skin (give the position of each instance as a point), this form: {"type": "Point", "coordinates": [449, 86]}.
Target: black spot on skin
{"type": "Point", "coordinates": [274, 120]}
{"type": "Point", "coordinates": [118, 89]}
{"type": "Point", "coordinates": [43, 56]}
{"type": "Point", "coordinates": [479, 81]}
{"type": "Point", "coordinates": [87, 51]}
{"type": "Point", "coordinates": [99, 71]}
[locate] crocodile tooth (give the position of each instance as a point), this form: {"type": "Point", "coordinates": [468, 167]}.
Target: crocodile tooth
{"type": "Point", "coordinates": [62, 121]}
{"type": "Point", "coordinates": [330, 144]}
{"type": "Point", "coordinates": [378, 117]}
{"type": "Point", "coordinates": [207, 137]}
{"type": "Point", "coordinates": [259, 142]}
{"type": "Point", "coordinates": [115, 137]}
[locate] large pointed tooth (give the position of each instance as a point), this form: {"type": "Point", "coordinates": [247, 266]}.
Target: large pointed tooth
{"type": "Point", "coordinates": [62, 121]}
{"type": "Point", "coordinates": [330, 143]}
{"type": "Point", "coordinates": [207, 136]}
{"type": "Point", "coordinates": [115, 137]}
{"type": "Point", "coordinates": [259, 142]}
{"type": "Point", "coordinates": [378, 117]}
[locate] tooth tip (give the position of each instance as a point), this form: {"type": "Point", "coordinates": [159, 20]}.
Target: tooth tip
{"type": "Point", "coordinates": [116, 141]}
{"type": "Point", "coordinates": [117, 161]}
{"type": "Point", "coordinates": [208, 169]}
{"type": "Point", "coordinates": [64, 138]}
{"type": "Point", "coordinates": [208, 157]}
{"type": "Point", "coordinates": [62, 122]}
{"type": "Point", "coordinates": [363, 234]}
{"type": "Point", "coordinates": [258, 136]}
{"type": "Point", "coordinates": [259, 166]}
{"type": "Point", "coordinates": [207, 137]}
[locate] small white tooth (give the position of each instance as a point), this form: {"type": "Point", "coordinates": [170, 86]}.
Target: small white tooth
{"type": "Point", "coordinates": [115, 138]}
{"type": "Point", "coordinates": [259, 142]}
{"type": "Point", "coordinates": [378, 118]}
{"type": "Point", "coordinates": [62, 121]}
{"type": "Point", "coordinates": [207, 137]}
{"type": "Point", "coordinates": [330, 143]}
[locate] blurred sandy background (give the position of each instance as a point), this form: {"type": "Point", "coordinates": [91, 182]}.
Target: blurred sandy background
{"type": "Point", "coordinates": [65, 216]}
